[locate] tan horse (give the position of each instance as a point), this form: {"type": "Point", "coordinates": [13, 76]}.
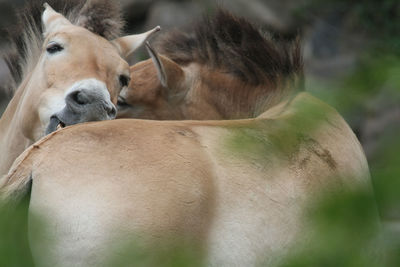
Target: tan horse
{"type": "Point", "coordinates": [234, 189]}
{"type": "Point", "coordinates": [75, 76]}
{"type": "Point", "coordinates": [195, 79]}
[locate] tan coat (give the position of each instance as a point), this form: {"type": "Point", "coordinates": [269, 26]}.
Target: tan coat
{"type": "Point", "coordinates": [69, 82]}
{"type": "Point", "coordinates": [238, 189]}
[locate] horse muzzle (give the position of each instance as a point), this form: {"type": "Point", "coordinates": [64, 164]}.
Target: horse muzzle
{"type": "Point", "coordinates": [84, 103]}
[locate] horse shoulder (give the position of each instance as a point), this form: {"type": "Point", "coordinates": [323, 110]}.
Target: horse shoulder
{"type": "Point", "coordinates": [123, 169]}
{"type": "Point", "coordinates": [15, 184]}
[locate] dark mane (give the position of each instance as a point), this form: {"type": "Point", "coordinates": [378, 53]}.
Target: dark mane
{"type": "Point", "coordinates": [102, 17]}
{"type": "Point", "coordinates": [235, 46]}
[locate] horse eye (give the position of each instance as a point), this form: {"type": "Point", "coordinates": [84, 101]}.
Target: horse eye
{"type": "Point", "coordinates": [124, 80]}
{"type": "Point", "coordinates": [54, 47]}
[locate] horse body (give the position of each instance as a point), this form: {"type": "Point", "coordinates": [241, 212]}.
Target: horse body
{"type": "Point", "coordinates": [234, 190]}
{"type": "Point", "coordinates": [187, 181]}
{"type": "Point", "coordinates": [66, 84]}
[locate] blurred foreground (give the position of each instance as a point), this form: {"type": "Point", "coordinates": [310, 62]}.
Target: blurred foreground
{"type": "Point", "coordinates": [352, 53]}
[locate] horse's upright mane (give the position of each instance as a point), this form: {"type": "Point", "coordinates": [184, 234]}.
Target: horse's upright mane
{"type": "Point", "coordinates": [234, 45]}
{"type": "Point", "coordinates": [102, 17]}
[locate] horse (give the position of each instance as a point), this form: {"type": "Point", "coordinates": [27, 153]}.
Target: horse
{"type": "Point", "coordinates": [235, 191]}
{"type": "Point", "coordinates": [68, 74]}
{"type": "Point", "coordinates": [175, 83]}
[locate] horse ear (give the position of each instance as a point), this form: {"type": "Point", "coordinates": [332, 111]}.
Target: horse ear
{"type": "Point", "coordinates": [169, 73]}
{"type": "Point", "coordinates": [130, 43]}
{"type": "Point", "coordinates": [52, 20]}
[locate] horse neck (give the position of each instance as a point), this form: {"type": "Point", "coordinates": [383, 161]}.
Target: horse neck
{"type": "Point", "coordinates": [217, 95]}
{"type": "Point", "coordinates": [12, 140]}
{"type": "Point", "coordinates": [275, 110]}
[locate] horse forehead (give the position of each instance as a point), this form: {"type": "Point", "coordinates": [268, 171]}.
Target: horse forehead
{"type": "Point", "coordinates": [144, 78]}
{"type": "Point", "coordinates": [84, 40]}
{"type": "Point", "coordinates": [143, 70]}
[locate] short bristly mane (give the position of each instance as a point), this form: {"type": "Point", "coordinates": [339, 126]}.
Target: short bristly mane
{"type": "Point", "coordinates": [269, 69]}
{"type": "Point", "coordinates": [102, 17]}
{"type": "Point", "coordinates": [234, 44]}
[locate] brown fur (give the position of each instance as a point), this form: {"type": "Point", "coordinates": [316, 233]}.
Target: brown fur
{"type": "Point", "coordinates": [230, 71]}
{"type": "Point", "coordinates": [195, 182]}
{"type": "Point", "coordinates": [90, 65]}
{"type": "Point", "coordinates": [234, 45]}
{"type": "Point", "coordinates": [99, 16]}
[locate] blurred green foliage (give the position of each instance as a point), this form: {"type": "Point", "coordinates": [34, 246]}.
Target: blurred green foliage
{"type": "Point", "coordinates": [173, 254]}
{"type": "Point", "coordinates": [344, 229]}
{"type": "Point", "coordinates": [14, 247]}
{"type": "Point", "coordinates": [268, 139]}
{"type": "Point", "coordinates": [344, 233]}
{"type": "Point", "coordinates": [377, 73]}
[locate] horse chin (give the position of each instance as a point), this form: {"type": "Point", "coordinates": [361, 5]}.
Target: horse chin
{"type": "Point", "coordinates": [54, 124]}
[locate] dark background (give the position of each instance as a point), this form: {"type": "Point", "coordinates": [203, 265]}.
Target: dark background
{"type": "Point", "coordinates": [352, 61]}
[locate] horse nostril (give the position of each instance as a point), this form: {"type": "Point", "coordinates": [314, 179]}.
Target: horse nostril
{"type": "Point", "coordinates": [79, 97]}
{"type": "Point", "coordinates": [111, 111]}
{"type": "Point", "coordinates": [93, 104]}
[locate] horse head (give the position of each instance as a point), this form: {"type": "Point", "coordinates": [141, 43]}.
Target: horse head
{"type": "Point", "coordinates": [78, 76]}
{"type": "Point", "coordinates": [75, 76]}
{"type": "Point", "coordinates": [156, 90]}
{"type": "Point", "coordinates": [224, 68]}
